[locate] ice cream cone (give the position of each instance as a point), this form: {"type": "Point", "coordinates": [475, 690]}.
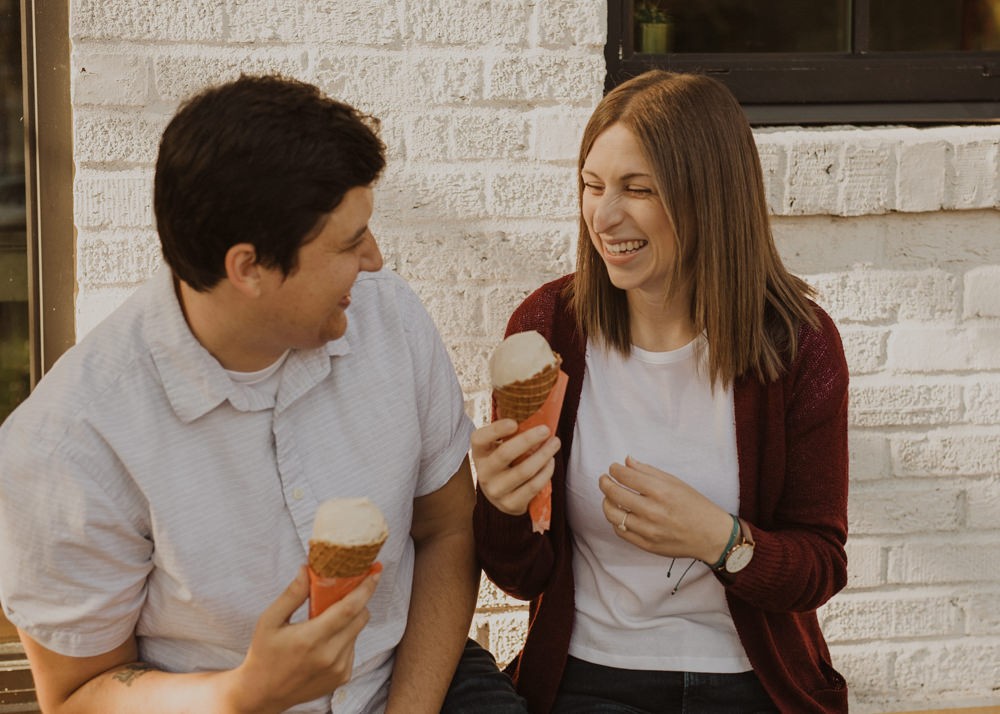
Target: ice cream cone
{"type": "Point", "coordinates": [334, 560]}
{"type": "Point", "coordinates": [347, 537]}
{"type": "Point", "coordinates": [519, 400]}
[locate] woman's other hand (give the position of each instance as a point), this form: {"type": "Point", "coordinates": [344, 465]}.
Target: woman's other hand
{"type": "Point", "coordinates": [509, 486]}
{"type": "Point", "coordinates": [662, 514]}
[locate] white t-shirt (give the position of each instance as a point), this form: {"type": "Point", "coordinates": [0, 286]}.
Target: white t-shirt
{"type": "Point", "coordinates": [659, 408]}
{"type": "Point", "coordinates": [145, 490]}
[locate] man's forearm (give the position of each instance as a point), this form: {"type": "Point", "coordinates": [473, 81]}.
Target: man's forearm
{"type": "Point", "coordinates": [445, 585]}
{"type": "Point", "coordinates": [139, 687]}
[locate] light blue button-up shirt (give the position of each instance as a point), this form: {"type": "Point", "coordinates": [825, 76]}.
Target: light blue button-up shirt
{"type": "Point", "coordinates": [142, 489]}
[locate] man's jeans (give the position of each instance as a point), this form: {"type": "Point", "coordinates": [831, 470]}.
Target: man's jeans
{"type": "Point", "coordinates": [479, 687]}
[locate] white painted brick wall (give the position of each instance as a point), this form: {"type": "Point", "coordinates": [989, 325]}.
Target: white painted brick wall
{"type": "Point", "coordinates": [483, 104]}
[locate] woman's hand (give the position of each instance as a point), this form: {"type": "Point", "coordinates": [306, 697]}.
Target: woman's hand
{"type": "Point", "coordinates": [662, 514]}
{"type": "Point", "coordinates": [507, 486]}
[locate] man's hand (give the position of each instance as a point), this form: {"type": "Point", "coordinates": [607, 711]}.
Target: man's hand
{"type": "Point", "coordinates": [292, 663]}
{"type": "Point", "coordinates": [287, 664]}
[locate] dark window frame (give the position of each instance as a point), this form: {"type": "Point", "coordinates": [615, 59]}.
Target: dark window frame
{"type": "Point", "coordinates": [830, 88]}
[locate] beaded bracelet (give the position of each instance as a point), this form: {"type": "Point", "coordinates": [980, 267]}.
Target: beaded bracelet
{"type": "Point", "coordinates": [732, 539]}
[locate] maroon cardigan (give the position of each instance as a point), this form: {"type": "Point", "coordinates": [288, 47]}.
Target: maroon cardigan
{"type": "Point", "coordinates": [791, 437]}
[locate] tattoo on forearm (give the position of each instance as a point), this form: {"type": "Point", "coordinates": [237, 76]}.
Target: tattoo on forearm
{"type": "Point", "coordinates": [130, 672]}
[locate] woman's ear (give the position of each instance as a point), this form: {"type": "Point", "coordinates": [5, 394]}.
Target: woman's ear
{"type": "Point", "coordinates": [242, 269]}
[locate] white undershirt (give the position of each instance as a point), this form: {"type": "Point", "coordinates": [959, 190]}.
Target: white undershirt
{"type": "Point", "coordinates": [265, 380]}
{"type": "Point", "coordinates": [659, 408]}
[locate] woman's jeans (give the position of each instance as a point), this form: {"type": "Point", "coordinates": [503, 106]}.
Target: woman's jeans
{"type": "Point", "coordinates": [591, 689]}
{"type": "Point", "coordinates": [479, 687]}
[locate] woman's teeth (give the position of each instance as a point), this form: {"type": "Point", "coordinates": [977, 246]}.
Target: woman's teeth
{"type": "Point", "coordinates": [629, 246]}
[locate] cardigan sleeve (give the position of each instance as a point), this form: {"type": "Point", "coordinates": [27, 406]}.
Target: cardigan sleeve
{"type": "Point", "coordinates": [801, 527]}
{"type": "Point", "coordinates": [519, 561]}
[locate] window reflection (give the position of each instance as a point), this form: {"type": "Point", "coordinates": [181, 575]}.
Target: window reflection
{"type": "Point", "coordinates": [14, 371]}
{"type": "Point", "coordinates": [935, 25]}
{"type": "Point", "coordinates": [739, 26]}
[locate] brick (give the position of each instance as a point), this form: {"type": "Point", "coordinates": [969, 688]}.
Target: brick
{"type": "Point", "coordinates": [774, 164]}
{"type": "Point", "coordinates": [860, 617]}
{"type": "Point", "coordinates": [541, 192]}
{"type": "Point", "coordinates": [448, 79]}
{"type": "Point", "coordinates": [456, 310]}
{"type": "Point", "coordinates": [572, 24]}
{"type": "Point", "coordinates": [102, 138]}
{"type": "Point", "coordinates": [946, 454]}
{"type": "Point", "coordinates": [982, 291]}
{"type": "Point", "coordinates": [869, 456]}
{"type": "Point", "coordinates": [932, 349]}
{"type": "Point", "coordinates": [183, 20]}
{"type": "Point", "coordinates": [558, 131]}
{"type": "Point", "coordinates": [865, 562]}
{"type": "Point", "coordinates": [947, 559]}
{"type": "Point", "coordinates": [507, 632]}
{"type": "Point", "coordinates": [314, 21]}
{"type": "Point", "coordinates": [113, 199]}
{"type": "Point", "coordinates": [920, 175]}
{"type": "Point", "coordinates": [876, 296]}
{"type": "Point", "coordinates": [432, 194]}
{"type": "Point", "coordinates": [826, 244]}
{"type": "Point", "coordinates": [865, 668]}
{"type": "Point", "coordinates": [116, 258]}
{"type": "Point", "coordinates": [814, 174]}
{"type": "Point", "coordinates": [967, 668]}
{"type": "Point", "coordinates": [491, 134]}
{"type": "Point", "coordinates": [110, 79]}
{"type": "Point", "coordinates": [982, 403]}
{"type": "Point", "coordinates": [983, 505]}
{"type": "Point", "coordinates": [486, 257]}
{"type": "Point", "coordinates": [96, 303]}
{"type": "Point", "coordinates": [501, 302]}
{"type": "Point", "coordinates": [971, 178]}
{"type": "Point", "coordinates": [957, 239]}
{"type": "Point", "coordinates": [470, 358]}
{"type": "Point", "coordinates": [982, 616]}
{"type": "Point", "coordinates": [370, 81]}
{"type": "Point", "coordinates": [427, 137]}
{"type": "Point", "coordinates": [468, 22]}
{"type": "Point", "coordinates": [868, 177]}
{"type": "Point", "coordinates": [882, 508]}
{"type": "Point", "coordinates": [904, 404]}
{"type": "Point", "coordinates": [492, 598]}
{"type": "Point", "coordinates": [547, 77]}
{"type": "Point", "coordinates": [864, 349]}
{"type": "Point", "coordinates": [180, 75]}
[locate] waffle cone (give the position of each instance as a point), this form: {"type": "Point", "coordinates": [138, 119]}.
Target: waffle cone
{"type": "Point", "coordinates": [519, 400]}
{"type": "Point", "coordinates": [338, 560]}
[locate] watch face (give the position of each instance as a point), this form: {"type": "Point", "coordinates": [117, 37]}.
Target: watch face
{"type": "Point", "coordinates": [739, 557]}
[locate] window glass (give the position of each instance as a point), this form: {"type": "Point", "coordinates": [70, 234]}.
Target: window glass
{"type": "Point", "coordinates": [935, 25]}
{"type": "Point", "coordinates": [740, 26]}
{"type": "Point", "coordinates": [14, 369]}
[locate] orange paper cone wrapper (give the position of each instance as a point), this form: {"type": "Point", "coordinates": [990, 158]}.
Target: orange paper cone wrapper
{"type": "Point", "coordinates": [324, 592]}
{"type": "Point", "coordinates": [540, 507]}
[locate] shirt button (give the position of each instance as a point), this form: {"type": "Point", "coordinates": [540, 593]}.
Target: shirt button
{"type": "Point", "coordinates": [297, 494]}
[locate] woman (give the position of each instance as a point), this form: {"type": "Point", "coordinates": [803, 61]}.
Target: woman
{"type": "Point", "coordinates": [699, 470]}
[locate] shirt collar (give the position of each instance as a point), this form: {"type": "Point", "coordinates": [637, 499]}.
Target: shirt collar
{"type": "Point", "coordinates": [195, 382]}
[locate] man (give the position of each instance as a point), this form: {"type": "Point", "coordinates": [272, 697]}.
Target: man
{"type": "Point", "coordinates": [158, 488]}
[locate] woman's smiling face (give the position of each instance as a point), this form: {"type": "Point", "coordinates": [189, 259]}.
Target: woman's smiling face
{"type": "Point", "coordinates": [624, 214]}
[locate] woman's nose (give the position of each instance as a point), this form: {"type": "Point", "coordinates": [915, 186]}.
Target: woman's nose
{"type": "Point", "coordinates": [607, 213]}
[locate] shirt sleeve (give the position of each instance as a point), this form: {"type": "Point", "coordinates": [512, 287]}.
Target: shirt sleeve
{"type": "Point", "coordinates": [73, 554]}
{"type": "Point", "coordinates": [445, 428]}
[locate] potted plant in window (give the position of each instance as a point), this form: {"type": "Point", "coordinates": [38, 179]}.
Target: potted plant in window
{"type": "Point", "coordinates": [654, 27]}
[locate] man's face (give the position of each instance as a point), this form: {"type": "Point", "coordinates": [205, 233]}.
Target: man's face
{"type": "Point", "coordinates": [308, 307]}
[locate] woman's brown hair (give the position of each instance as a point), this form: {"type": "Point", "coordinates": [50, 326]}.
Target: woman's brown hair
{"type": "Point", "coordinates": [704, 160]}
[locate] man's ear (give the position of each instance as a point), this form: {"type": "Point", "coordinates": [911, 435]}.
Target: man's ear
{"type": "Point", "coordinates": [242, 269]}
